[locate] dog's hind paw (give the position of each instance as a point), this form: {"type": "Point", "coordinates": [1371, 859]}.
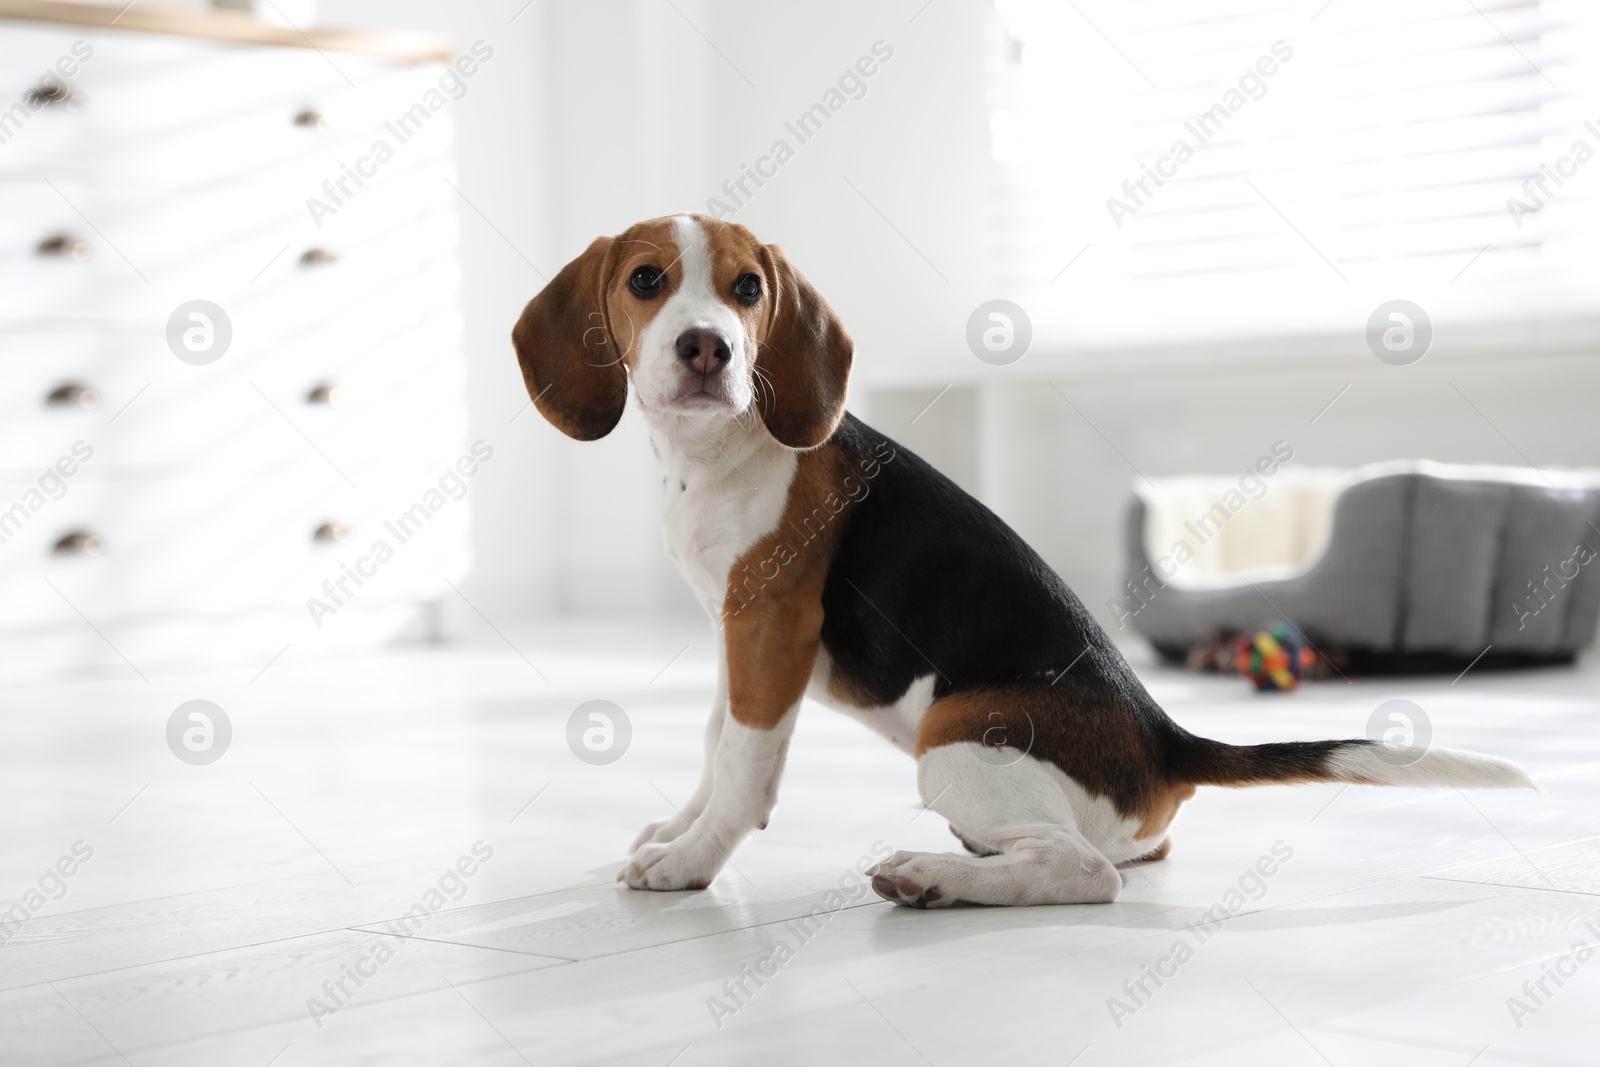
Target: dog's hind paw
{"type": "Point", "coordinates": [897, 880]}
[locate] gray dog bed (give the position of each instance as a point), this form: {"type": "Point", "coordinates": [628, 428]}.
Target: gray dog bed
{"type": "Point", "coordinates": [1411, 564]}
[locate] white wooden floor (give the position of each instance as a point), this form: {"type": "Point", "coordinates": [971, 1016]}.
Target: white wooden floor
{"type": "Point", "coordinates": [220, 899]}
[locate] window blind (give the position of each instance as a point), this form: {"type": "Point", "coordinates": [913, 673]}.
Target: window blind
{"type": "Point", "coordinates": [1249, 164]}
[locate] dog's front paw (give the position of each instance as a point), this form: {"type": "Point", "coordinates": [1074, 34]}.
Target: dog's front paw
{"type": "Point", "coordinates": [660, 833]}
{"type": "Point", "coordinates": [901, 880]}
{"type": "Point", "coordinates": [686, 863]}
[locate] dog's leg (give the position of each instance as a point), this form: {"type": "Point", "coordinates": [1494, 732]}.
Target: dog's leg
{"type": "Point", "coordinates": [745, 770]}
{"type": "Point", "coordinates": [1013, 802]}
{"type": "Point", "coordinates": [659, 833]}
{"type": "Point", "coordinates": [977, 848]}
{"type": "Point", "coordinates": [770, 655]}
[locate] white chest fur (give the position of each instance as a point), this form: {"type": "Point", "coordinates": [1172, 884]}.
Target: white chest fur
{"type": "Point", "coordinates": [725, 488]}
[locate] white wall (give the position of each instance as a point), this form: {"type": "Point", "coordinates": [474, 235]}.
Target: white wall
{"type": "Point", "coordinates": [593, 115]}
{"type": "Point", "coordinates": [596, 114]}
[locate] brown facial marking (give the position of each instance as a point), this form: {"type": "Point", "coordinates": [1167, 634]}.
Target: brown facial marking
{"type": "Point", "coordinates": [772, 613]}
{"type": "Point", "coordinates": [735, 252]}
{"type": "Point", "coordinates": [1087, 735]}
{"type": "Point", "coordinates": [644, 244]}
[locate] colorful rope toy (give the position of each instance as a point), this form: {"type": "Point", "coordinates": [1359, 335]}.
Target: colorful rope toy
{"type": "Point", "coordinates": [1275, 658]}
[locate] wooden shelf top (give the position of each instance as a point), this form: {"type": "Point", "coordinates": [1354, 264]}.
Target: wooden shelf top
{"type": "Point", "coordinates": [409, 46]}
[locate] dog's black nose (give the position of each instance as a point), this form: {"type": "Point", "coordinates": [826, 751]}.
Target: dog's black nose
{"type": "Point", "coordinates": [703, 350]}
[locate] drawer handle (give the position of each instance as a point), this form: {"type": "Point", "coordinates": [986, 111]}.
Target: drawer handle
{"type": "Point", "coordinates": [64, 245]}
{"type": "Point", "coordinates": [50, 91]}
{"type": "Point", "coordinates": [326, 393]}
{"type": "Point", "coordinates": [317, 257]}
{"type": "Point", "coordinates": [72, 395]}
{"type": "Point", "coordinates": [332, 530]}
{"type": "Point", "coordinates": [78, 543]}
{"type": "Point", "coordinates": [312, 119]}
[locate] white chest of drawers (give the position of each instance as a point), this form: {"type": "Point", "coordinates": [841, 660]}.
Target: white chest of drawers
{"type": "Point", "coordinates": [158, 510]}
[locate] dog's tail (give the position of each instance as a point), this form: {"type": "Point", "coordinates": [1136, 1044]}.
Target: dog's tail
{"type": "Point", "coordinates": [1201, 761]}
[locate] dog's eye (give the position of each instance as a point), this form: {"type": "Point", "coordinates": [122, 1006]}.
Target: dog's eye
{"type": "Point", "coordinates": [646, 282]}
{"type": "Point", "coordinates": [747, 289]}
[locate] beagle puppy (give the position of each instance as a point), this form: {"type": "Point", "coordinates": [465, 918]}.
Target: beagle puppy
{"type": "Point", "coordinates": [838, 566]}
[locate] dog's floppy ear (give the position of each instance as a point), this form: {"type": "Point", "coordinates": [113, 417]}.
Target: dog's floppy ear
{"type": "Point", "coordinates": [805, 358]}
{"type": "Point", "coordinates": [571, 364]}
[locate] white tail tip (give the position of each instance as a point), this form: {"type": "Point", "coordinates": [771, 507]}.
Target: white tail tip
{"type": "Point", "coordinates": [1383, 764]}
